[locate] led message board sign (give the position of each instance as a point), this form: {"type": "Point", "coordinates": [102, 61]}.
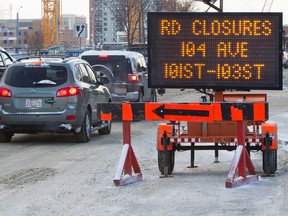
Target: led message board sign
{"type": "Point", "coordinates": [215, 50]}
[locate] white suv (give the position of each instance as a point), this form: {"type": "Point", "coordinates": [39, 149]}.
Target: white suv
{"type": "Point", "coordinates": [128, 72]}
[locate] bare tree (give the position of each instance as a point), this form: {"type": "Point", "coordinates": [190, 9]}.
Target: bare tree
{"type": "Point", "coordinates": [185, 5]}
{"type": "Point", "coordinates": [35, 42]}
{"type": "Point", "coordinates": [129, 13]}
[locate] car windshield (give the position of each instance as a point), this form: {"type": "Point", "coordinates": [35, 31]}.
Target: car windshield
{"type": "Point", "coordinates": [117, 64]}
{"type": "Point", "coordinates": [21, 76]}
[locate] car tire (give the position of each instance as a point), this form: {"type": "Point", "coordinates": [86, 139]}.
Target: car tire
{"type": "Point", "coordinates": [85, 133]}
{"type": "Point", "coordinates": [140, 97]}
{"type": "Point", "coordinates": [106, 130]}
{"type": "Point", "coordinates": [5, 136]}
{"type": "Point", "coordinates": [153, 97]}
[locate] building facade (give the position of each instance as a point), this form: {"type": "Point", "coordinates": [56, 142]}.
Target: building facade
{"type": "Point", "coordinates": [105, 28]}
{"type": "Point", "coordinates": [69, 41]}
{"type": "Point", "coordinates": [30, 34]}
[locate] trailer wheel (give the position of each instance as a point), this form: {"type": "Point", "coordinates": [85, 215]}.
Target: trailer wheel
{"type": "Point", "coordinates": [166, 170]}
{"type": "Point", "coordinates": [269, 161]}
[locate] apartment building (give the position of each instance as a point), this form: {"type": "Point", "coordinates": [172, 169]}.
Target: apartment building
{"type": "Point", "coordinates": [105, 28]}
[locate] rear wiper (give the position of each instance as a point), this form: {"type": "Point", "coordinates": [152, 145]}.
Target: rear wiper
{"type": "Point", "coordinates": [44, 82]}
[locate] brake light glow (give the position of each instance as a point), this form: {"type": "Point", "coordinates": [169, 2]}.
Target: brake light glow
{"type": "Point", "coordinates": [103, 56]}
{"type": "Point", "coordinates": [37, 63]}
{"type": "Point", "coordinates": [70, 117]}
{"type": "Point", "coordinates": [69, 91]}
{"type": "Point", "coordinates": [5, 92]}
{"type": "Point", "coordinates": [133, 78]}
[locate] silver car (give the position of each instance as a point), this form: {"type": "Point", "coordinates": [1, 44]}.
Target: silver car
{"type": "Point", "coordinates": [52, 95]}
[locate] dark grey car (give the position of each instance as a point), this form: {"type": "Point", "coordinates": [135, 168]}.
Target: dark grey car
{"type": "Point", "coordinates": [52, 95]}
{"type": "Point", "coordinates": [127, 72]}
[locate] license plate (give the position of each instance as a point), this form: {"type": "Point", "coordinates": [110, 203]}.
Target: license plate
{"type": "Point", "coordinates": [120, 91]}
{"type": "Point", "coordinates": [33, 103]}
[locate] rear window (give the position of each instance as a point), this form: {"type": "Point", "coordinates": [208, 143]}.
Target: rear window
{"type": "Point", "coordinates": [21, 76]}
{"type": "Point", "coordinates": [119, 65]}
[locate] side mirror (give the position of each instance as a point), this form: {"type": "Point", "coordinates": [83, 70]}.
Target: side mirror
{"type": "Point", "coordinates": [144, 68]}
{"type": "Point", "coordinates": [103, 80]}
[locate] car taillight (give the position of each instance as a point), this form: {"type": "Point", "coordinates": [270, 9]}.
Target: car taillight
{"type": "Point", "coordinates": [103, 56]}
{"type": "Point", "coordinates": [5, 92]}
{"type": "Point", "coordinates": [69, 91]}
{"type": "Point", "coordinates": [133, 78]}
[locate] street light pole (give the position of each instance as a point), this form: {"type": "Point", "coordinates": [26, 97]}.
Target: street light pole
{"type": "Point", "coordinates": [17, 30]}
{"type": "Point", "coordinates": [93, 31]}
{"type": "Point", "coordinates": [211, 4]}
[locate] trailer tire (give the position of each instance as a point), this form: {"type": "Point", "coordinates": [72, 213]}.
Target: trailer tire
{"type": "Point", "coordinates": [161, 162]}
{"type": "Point", "coordinates": [269, 161]}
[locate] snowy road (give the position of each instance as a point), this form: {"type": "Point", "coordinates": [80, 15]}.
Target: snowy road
{"type": "Point", "coordinates": [53, 175]}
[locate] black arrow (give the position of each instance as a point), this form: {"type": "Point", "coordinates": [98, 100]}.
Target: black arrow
{"type": "Point", "coordinates": [161, 111]}
{"type": "Point", "coordinates": [82, 29]}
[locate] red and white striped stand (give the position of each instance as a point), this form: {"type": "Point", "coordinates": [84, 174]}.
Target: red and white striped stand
{"type": "Point", "coordinates": [128, 170]}
{"type": "Point", "coordinates": [240, 162]}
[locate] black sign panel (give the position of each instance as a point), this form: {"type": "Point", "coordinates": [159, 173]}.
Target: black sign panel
{"type": "Point", "coordinates": [215, 50]}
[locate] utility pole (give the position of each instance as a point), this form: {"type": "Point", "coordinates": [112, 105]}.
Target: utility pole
{"type": "Point", "coordinates": [17, 31]}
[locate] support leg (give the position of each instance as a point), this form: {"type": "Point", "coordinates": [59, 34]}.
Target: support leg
{"type": "Point", "coordinates": [128, 161]}
{"type": "Point", "coordinates": [216, 154]}
{"type": "Point", "coordinates": [192, 158]}
{"type": "Point", "coordinates": [240, 162]}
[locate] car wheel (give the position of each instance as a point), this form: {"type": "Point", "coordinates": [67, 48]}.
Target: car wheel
{"type": "Point", "coordinates": [85, 133]}
{"type": "Point", "coordinates": [153, 97]}
{"type": "Point", "coordinates": [140, 97]}
{"type": "Point", "coordinates": [106, 130]}
{"type": "Point", "coordinates": [5, 136]}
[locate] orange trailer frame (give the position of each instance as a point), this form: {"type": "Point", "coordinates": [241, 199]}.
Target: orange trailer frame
{"type": "Point", "coordinates": [221, 123]}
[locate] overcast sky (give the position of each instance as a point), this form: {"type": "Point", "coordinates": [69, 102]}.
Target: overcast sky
{"type": "Point", "coordinates": [32, 8]}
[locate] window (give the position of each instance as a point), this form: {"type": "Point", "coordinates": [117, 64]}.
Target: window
{"type": "Point", "coordinates": [7, 59]}
{"type": "Point", "coordinates": [20, 76]}
{"type": "Point", "coordinates": [82, 74]}
{"type": "Point", "coordinates": [1, 61]}
{"type": "Point", "coordinates": [91, 73]}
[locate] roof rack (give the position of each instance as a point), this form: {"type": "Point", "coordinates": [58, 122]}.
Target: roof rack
{"type": "Point", "coordinates": [41, 57]}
